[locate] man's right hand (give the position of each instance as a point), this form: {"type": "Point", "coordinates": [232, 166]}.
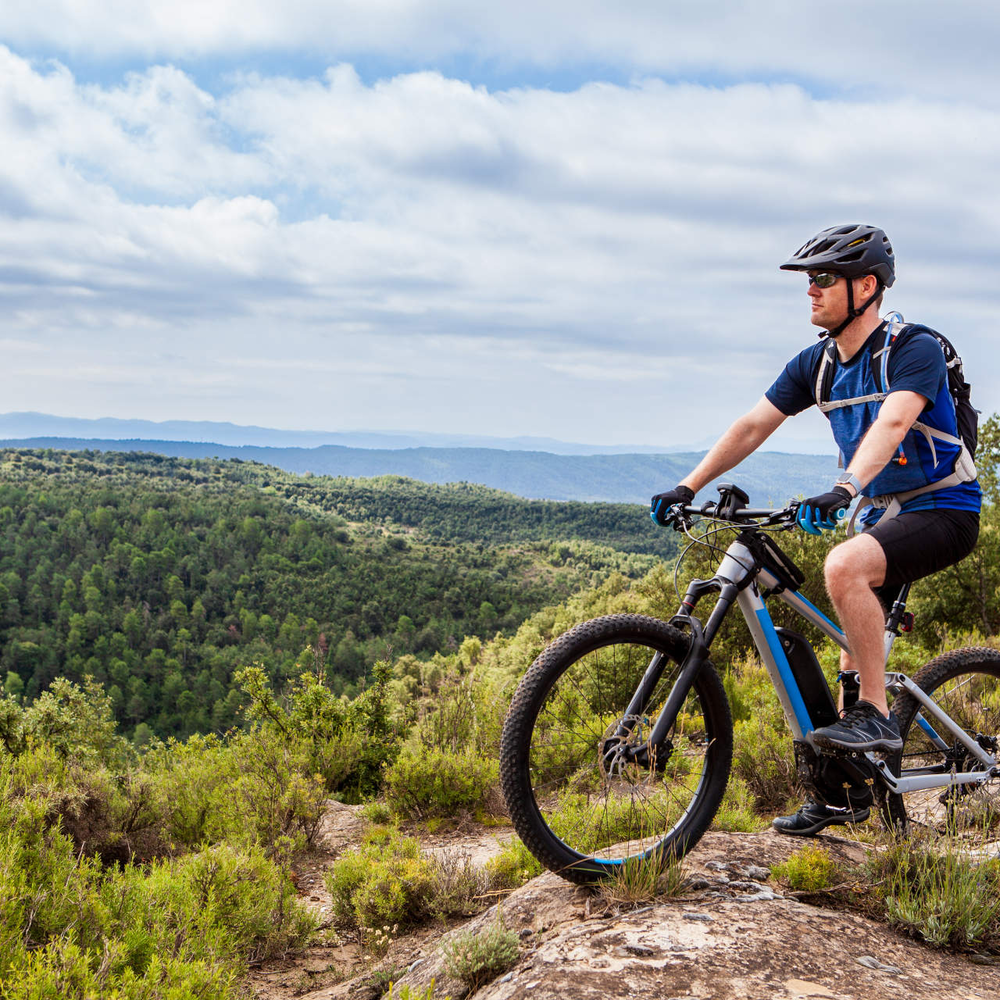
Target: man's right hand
{"type": "Point", "coordinates": [659, 506]}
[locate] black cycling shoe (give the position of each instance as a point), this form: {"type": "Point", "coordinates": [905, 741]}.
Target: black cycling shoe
{"type": "Point", "coordinates": [813, 817]}
{"type": "Point", "coordinates": [862, 727]}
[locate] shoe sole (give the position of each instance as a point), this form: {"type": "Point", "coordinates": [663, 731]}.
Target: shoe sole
{"type": "Point", "coordinates": [858, 816]}
{"type": "Point", "coordinates": [881, 744]}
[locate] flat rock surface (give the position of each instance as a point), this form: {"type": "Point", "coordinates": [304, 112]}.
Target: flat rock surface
{"type": "Point", "coordinates": [733, 935]}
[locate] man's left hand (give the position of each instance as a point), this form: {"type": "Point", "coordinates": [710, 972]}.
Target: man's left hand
{"type": "Point", "coordinates": [822, 512]}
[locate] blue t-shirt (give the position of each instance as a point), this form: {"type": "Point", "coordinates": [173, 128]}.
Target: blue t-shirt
{"type": "Point", "coordinates": [917, 364]}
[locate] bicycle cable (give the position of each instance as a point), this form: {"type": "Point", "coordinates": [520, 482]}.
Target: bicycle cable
{"type": "Point", "coordinates": [719, 526]}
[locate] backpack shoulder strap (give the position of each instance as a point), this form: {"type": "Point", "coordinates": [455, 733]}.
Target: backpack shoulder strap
{"type": "Point", "coordinates": [895, 330]}
{"type": "Point", "coordinates": [824, 372]}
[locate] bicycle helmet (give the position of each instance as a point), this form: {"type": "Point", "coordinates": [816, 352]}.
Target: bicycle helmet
{"type": "Point", "coordinates": [849, 250]}
{"type": "Point", "coordinates": [852, 251]}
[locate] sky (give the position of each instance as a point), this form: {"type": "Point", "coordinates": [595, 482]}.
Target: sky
{"type": "Point", "coordinates": [555, 218]}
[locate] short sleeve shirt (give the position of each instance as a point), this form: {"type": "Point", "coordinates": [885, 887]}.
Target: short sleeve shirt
{"type": "Point", "coordinates": [916, 364]}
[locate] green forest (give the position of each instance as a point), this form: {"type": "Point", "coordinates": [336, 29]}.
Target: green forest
{"type": "Point", "coordinates": [175, 719]}
{"type": "Point", "coordinates": [160, 577]}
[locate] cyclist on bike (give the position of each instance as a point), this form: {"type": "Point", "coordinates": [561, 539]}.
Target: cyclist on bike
{"type": "Point", "coordinates": [849, 267]}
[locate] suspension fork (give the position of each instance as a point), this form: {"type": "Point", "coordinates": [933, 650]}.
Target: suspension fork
{"type": "Point", "coordinates": [696, 655]}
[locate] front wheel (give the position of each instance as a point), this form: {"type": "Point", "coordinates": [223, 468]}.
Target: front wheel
{"type": "Point", "coordinates": [966, 684]}
{"type": "Point", "coordinates": [583, 792]}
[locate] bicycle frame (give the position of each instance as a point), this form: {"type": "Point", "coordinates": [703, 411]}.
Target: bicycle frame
{"type": "Point", "coordinates": [741, 579]}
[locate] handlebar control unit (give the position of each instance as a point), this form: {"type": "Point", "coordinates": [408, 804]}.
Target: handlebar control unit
{"type": "Point", "coordinates": [731, 499]}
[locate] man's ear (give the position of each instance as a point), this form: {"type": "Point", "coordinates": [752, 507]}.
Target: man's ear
{"type": "Point", "coordinates": [869, 283]}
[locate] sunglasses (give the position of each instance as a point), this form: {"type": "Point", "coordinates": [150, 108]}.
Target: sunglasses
{"type": "Point", "coordinates": [827, 279]}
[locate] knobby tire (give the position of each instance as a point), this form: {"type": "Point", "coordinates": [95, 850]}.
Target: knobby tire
{"type": "Point", "coordinates": [966, 684]}
{"type": "Point", "coordinates": [579, 816]}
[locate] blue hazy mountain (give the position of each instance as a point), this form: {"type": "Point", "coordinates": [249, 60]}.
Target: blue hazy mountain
{"type": "Point", "coordinates": [36, 425]}
{"type": "Point", "coordinates": [769, 477]}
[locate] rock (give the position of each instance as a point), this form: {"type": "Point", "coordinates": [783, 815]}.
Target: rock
{"type": "Point", "coordinates": [869, 962]}
{"type": "Point", "coordinates": [801, 988]}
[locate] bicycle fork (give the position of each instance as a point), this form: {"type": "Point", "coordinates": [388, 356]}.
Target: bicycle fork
{"type": "Point", "coordinates": [697, 653]}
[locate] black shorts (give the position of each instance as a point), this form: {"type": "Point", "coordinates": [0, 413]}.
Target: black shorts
{"type": "Point", "coordinates": [920, 542]}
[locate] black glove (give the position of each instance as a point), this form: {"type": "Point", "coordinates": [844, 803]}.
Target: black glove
{"type": "Point", "coordinates": [824, 511]}
{"type": "Point", "coordinates": [659, 506]}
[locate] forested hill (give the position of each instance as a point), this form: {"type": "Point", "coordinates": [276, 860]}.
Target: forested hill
{"type": "Point", "coordinates": [769, 477]}
{"type": "Point", "coordinates": [159, 576]}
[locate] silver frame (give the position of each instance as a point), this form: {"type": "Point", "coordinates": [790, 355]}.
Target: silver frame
{"type": "Point", "coordinates": [735, 568]}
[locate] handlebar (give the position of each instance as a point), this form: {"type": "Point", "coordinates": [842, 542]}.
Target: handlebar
{"type": "Point", "coordinates": [681, 515]}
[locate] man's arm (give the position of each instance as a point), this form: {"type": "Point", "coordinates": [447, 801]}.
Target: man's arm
{"type": "Point", "coordinates": [897, 415]}
{"type": "Point", "coordinates": [744, 437]}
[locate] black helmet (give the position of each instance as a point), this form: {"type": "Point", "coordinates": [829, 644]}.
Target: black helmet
{"type": "Point", "coordinates": [849, 250]}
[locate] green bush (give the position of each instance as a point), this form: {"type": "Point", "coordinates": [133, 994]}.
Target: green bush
{"type": "Point", "coordinates": [177, 928]}
{"type": "Point", "coordinates": [476, 957]}
{"type": "Point", "coordinates": [737, 812]}
{"type": "Point", "coordinates": [383, 882]}
{"type": "Point", "coordinates": [809, 869]}
{"type": "Point", "coordinates": [428, 782]}
{"type": "Point", "coordinates": [939, 895]}
{"type": "Point", "coordinates": [405, 993]}
{"type": "Point", "coordinates": [763, 757]}
{"type": "Point", "coordinates": [512, 867]}
{"type": "Point", "coordinates": [111, 816]}
{"type": "Point", "coordinates": [219, 903]}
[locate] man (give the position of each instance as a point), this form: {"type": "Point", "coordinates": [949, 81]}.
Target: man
{"type": "Point", "coordinates": [884, 457]}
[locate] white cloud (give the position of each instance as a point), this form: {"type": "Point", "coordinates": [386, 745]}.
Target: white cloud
{"type": "Point", "coordinates": [500, 249]}
{"type": "Point", "coordinates": [900, 46]}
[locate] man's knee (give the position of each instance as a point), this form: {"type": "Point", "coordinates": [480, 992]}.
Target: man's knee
{"type": "Point", "coordinates": [859, 562]}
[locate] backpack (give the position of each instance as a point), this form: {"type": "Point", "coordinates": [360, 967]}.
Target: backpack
{"type": "Point", "coordinates": [966, 416]}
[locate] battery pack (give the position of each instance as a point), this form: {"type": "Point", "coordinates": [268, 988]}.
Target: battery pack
{"type": "Point", "coordinates": [809, 676]}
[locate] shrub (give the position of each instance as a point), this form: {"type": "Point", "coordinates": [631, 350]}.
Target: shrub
{"type": "Point", "coordinates": [427, 782]}
{"type": "Point", "coordinates": [253, 788]}
{"type": "Point", "coordinates": [459, 887]}
{"type": "Point", "coordinates": [385, 881]}
{"type": "Point", "coordinates": [77, 723]}
{"type": "Point", "coordinates": [221, 902]}
{"type": "Point", "coordinates": [737, 812]}
{"type": "Point", "coordinates": [940, 896]}
{"type": "Point", "coordinates": [405, 993]}
{"type": "Point", "coordinates": [182, 927]}
{"type": "Point", "coordinates": [63, 971]}
{"type": "Point", "coordinates": [763, 758]}
{"type": "Point", "coordinates": [640, 880]}
{"type": "Point", "coordinates": [809, 869]}
{"type": "Point", "coordinates": [512, 867]}
{"type": "Point", "coordinates": [476, 957]}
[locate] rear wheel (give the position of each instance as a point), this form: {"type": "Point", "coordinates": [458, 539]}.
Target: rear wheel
{"type": "Point", "coordinates": [582, 791]}
{"type": "Point", "coordinates": [966, 684]}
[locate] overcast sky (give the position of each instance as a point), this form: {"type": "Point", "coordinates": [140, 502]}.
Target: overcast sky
{"type": "Point", "coordinates": [545, 218]}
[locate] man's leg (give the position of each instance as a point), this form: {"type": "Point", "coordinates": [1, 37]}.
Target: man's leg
{"type": "Point", "coordinates": [912, 546]}
{"type": "Point", "coordinates": [853, 569]}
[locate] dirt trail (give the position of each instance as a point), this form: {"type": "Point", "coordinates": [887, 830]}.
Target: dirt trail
{"type": "Point", "coordinates": [733, 936]}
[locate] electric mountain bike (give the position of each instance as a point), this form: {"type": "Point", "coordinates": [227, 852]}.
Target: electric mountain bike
{"type": "Point", "coordinates": [619, 739]}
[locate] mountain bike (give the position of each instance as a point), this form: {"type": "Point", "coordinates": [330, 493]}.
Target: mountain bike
{"type": "Point", "coordinates": [619, 739]}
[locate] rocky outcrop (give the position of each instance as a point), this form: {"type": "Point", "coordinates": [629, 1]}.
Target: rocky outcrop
{"type": "Point", "coordinates": [732, 935]}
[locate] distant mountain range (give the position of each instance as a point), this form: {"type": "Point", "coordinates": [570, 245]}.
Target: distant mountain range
{"type": "Point", "coordinates": [34, 425]}
{"type": "Point", "coordinates": [769, 477]}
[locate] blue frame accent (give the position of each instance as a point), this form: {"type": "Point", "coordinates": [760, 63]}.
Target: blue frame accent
{"type": "Point", "coordinates": [816, 611]}
{"type": "Point", "coordinates": [787, 678]}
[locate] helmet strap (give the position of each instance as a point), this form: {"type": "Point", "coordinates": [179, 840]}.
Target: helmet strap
{"type": "Point", "coordinates": [852, 312]}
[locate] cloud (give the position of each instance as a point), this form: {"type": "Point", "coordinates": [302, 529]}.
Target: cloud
{"type": "Point", "coordinates": [857, 47]}
{"type": "Point", "coordinates": [520, 251]}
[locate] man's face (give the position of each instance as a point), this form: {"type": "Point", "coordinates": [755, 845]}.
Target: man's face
{"type": "Point", "coordinates": [829, 305]}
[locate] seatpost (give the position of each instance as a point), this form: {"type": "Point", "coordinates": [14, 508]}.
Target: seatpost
{"type": "Point", "coordinates": [898, 620]}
